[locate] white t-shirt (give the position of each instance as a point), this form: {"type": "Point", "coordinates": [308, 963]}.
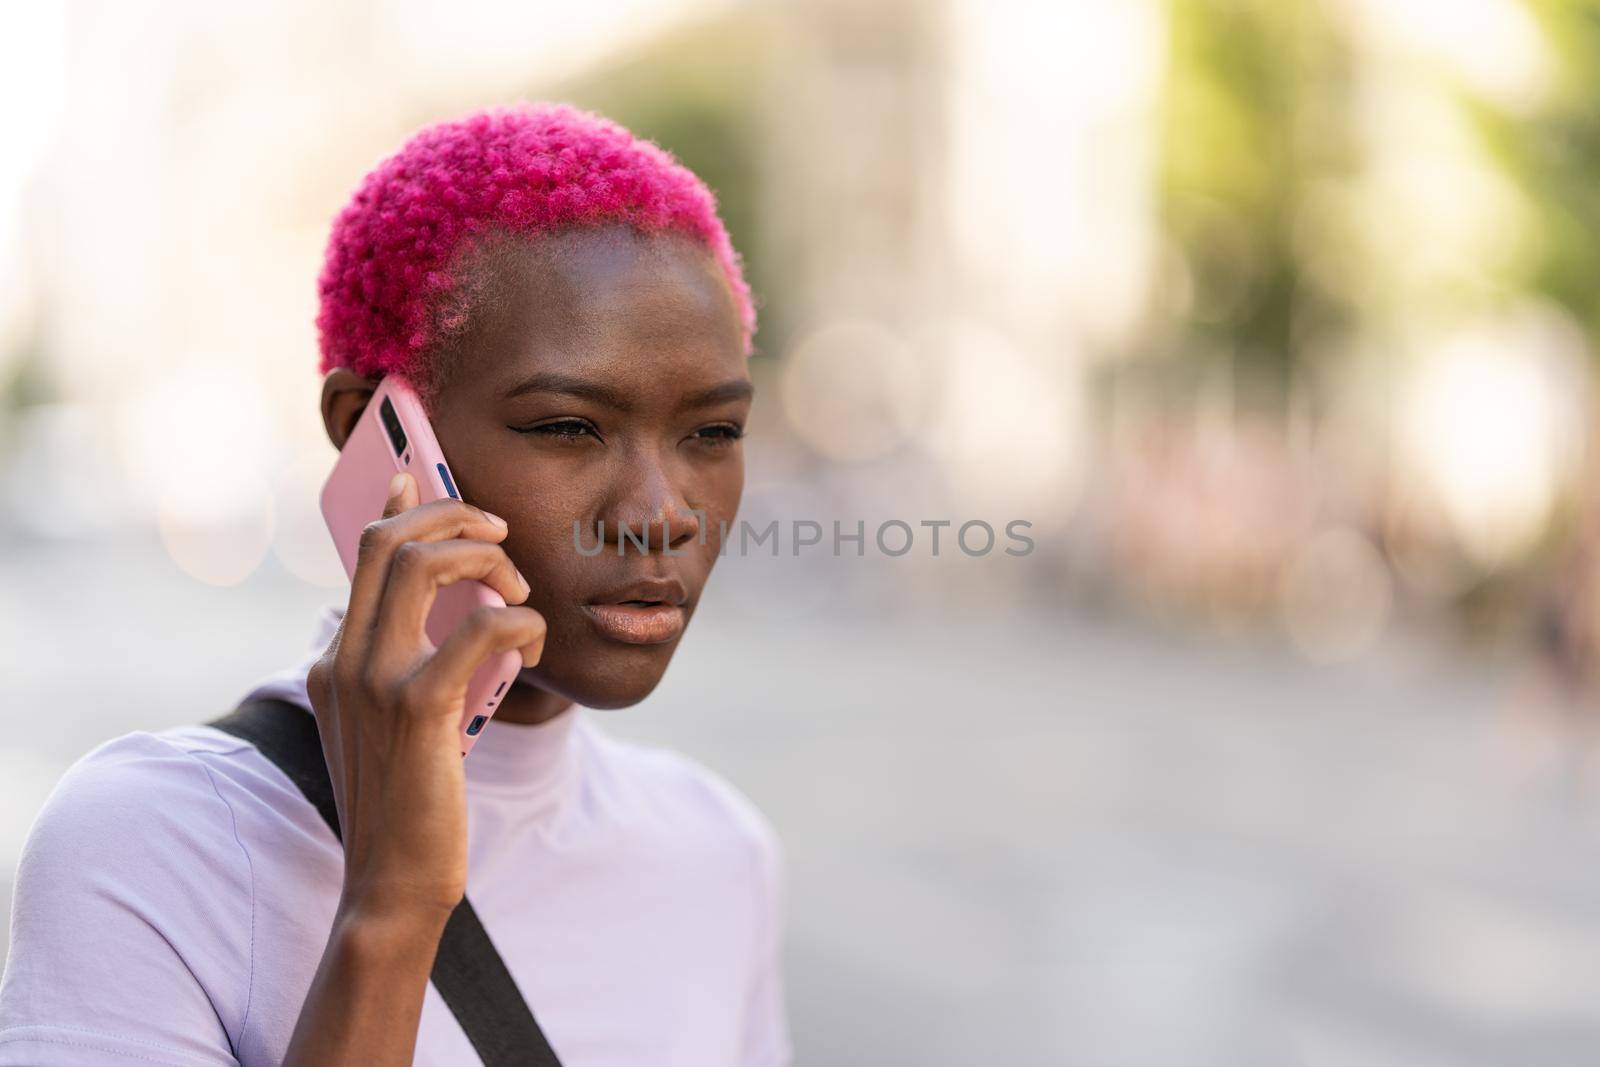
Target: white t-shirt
{"type": "Point", "coordinates": [175, 895]}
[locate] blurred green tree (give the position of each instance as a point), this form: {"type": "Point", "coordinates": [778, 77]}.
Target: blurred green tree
{"type": "Point", "coordinates": [1553, 155]}
{"type": "Point", "coordinates": [1256, 111]}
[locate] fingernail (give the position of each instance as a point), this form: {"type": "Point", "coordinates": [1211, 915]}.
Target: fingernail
{"type": "Point", "coordinates": [492, 517]}
{"type": "Point", "coordinates": [526, 588]}
{"type": "Point", "coordinates": [397, 485]}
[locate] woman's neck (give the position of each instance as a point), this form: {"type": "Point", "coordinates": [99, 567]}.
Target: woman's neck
{"type": "Point", "coordinates": [529, 705]}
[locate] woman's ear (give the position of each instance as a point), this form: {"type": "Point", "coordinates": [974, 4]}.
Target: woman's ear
{"type": "Point", "coordinates": [344, 397]}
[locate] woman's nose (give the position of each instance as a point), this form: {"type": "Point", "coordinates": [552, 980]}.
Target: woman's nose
{"type": "Point", "coordinates": [651, 514]}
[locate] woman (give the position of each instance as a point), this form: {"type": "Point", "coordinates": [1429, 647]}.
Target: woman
{"type": "Point", "coordinates": [567, 302]}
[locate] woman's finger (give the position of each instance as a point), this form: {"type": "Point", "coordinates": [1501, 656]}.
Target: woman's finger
{"type": "Point", "coordinates": [418, 570]}
{"type": "Point", "coordinates": [486, 632]}
{"type": "Point", "coordinates": [404, 521]}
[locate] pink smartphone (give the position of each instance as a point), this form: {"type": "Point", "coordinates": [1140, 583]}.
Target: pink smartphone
{"type": "Point", "coordinates": [393, 435]}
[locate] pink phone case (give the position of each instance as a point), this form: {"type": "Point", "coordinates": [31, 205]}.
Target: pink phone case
{"type": "Point", "coordinates": [393, 435]}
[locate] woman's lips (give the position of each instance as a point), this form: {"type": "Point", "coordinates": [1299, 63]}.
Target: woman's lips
{"type": "Point", "coordinates": [636, 623]}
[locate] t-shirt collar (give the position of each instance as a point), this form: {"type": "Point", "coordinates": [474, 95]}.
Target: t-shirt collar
{"type": "Point", "coordinates": [536, 763]}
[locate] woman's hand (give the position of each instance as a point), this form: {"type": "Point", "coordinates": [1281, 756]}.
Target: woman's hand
{"type": "Point", "coordinates": [389, 707]}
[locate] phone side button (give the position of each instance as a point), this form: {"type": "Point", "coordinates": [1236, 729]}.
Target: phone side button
{"type": "Point", "coordinates": [449, 483]}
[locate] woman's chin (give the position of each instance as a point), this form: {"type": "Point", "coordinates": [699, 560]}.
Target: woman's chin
{"type": "Point", "coordinates": [604, 685]}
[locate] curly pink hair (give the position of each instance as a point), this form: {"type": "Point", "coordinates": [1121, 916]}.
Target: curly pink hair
{"type": "Point", "coordinates": [397, 247]}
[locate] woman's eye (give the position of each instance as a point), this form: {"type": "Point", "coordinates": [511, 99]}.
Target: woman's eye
{"type": "Point", "coordinates": [721, 433]}
{"type": "Point", "coordinates": [562, 429]}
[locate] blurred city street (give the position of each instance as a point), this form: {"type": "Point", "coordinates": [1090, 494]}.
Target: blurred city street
{"type": "Point", "coordinates": [1276, 320]}
{"type": "Point", "coordinates": [1025, 837]}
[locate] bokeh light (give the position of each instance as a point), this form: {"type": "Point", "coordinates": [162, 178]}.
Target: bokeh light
{"type": "Point", "coordinates": [853, 391]}
{"type": "Point", "coordinates": [1492, 424]}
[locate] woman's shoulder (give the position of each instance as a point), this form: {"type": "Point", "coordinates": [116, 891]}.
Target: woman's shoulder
{"type": "Point", "coordinates": [164, 798]}
{"type": "Point", "coordinates": [135, 896]}
{"type": "Point", "coordinates": [139, 791]}
{"type": "Point", "coordinates": [137, 769]}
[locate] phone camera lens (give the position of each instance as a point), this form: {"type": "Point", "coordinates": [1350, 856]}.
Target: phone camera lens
{"type": "Point", "coordinates": [391, 426]}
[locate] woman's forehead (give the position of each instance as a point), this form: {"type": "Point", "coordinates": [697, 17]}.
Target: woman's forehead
{"type": "Point", "coordinates": [608, 301]}
{"type": "Point", "coordinates": [596, 280]}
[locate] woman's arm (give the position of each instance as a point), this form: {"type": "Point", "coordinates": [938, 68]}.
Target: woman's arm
{"type": "Point", "coordinates": [389, 707]}
{"type": "Point", "coordinates": [366, 999]}
{"type": "Point", "coordinates": [365, 1002]}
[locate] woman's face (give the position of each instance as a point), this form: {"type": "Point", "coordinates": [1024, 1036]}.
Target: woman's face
{"type": "Point", "coordinates": [607, 386]}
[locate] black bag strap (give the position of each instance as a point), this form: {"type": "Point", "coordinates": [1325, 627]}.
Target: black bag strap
{"type": "Point", "coordinates": [468, 972]}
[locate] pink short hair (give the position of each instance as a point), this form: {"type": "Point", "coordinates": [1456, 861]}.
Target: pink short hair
{"type": "Point", "coordinates": [395, 250]}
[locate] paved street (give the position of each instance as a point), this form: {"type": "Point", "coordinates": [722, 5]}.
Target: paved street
{"type": "Point", "coordinates": [1040, 839]}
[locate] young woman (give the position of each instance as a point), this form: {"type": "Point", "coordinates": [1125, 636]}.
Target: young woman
{"type": "Point", "coordinates": [568, 304]}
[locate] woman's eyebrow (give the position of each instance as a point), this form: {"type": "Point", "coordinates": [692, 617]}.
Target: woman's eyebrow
{"type": "Point", "coordinates": [567, 385]}
{"type": "Point", "coordinates": [732, 389]}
